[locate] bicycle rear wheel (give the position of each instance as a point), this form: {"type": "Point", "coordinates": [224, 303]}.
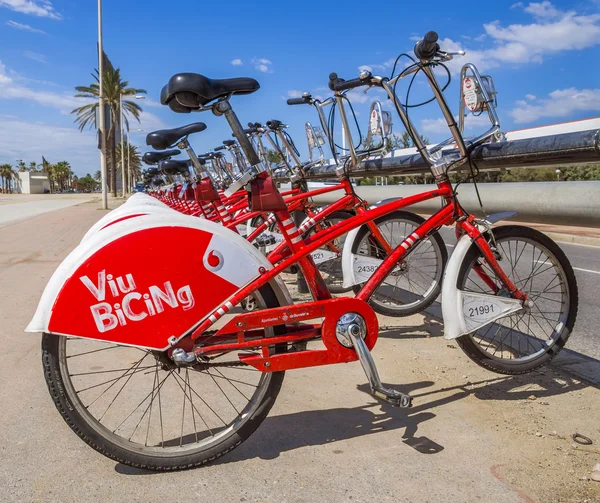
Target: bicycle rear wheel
{"type": "Point", "coordinates": [330, 265]}
{"type": "Point", "coordinates": [136, 407]}
{"type": "Point", "coordinates": [416, 281]}
{"type": "Point", "coordinates": [527, 339]}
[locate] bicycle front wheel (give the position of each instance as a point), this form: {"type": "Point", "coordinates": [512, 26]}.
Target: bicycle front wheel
{"type": "Point", "coordinates": [136, 407]}
{"type": "Point", "coordinates": [527, 339]}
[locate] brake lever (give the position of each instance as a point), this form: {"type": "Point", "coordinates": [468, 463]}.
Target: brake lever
{"type": "Point", "coordinates": [447, 56]}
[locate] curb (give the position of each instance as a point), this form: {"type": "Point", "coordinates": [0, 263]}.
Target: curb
{"type": "Point", "coordinates": [573, 239]}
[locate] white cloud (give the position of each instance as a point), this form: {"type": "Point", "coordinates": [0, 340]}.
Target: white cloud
{"type": "Point", "coordinates": [237, 62]}
{"type": "Point", "coordinates": [542, 10]}
{"type": "Point", "coordinates": [24, 27]}
{"type": "Point", "coordinates": [40, 58]}
{"type": "Point", "coordinates": [40, 8]}
{"type": "Point", "coordinates": [365, 68]}
{"type": "Point", "coordinates": [294, 94]}
{"type": "Point", "coordinates": [530, 97]}
{"type": "Point", "coordinates": [262, 65]}
{"type": "Point", "coordinates": [11, 89]}
{"type": "Point", "coordinates": [53, 142]}
{"type": "Point", "coordinates": [554, 31]}
{"type": "Point", "coordinates": [560, 103]}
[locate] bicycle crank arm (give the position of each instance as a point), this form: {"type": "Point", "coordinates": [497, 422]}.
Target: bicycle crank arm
{"type": "Point", "coordinates": [378, 390]}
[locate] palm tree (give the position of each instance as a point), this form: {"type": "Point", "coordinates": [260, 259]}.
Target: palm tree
{"type": "Point", "coordinates": [61, 174]}
{"type": "Point", "coordinates": [97, 176]}
{"type": "Point", "coordinates": [133, 163]}
{"type": "Point", "coordinates": [33, 166]}
{"type": "Point", "coordinates": [7, 174]}
{"type": "Point", "coordinates": [21, 166]}
{"type": "Point", "coordinates": [113, 89]}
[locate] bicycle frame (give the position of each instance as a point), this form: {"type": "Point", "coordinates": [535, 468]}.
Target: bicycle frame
{"type": "Point", "coordinates": [298, 250]}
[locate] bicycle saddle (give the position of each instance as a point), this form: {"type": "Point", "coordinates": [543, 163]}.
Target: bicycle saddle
{"type": "Point", "coordinates": [190, 91]}
{"type": "Point", "coordinates": [155, 157]}
{"type": "Point", "coordinates": [174, 167]}
{"type": "Point", "coordinates": [164, 138]}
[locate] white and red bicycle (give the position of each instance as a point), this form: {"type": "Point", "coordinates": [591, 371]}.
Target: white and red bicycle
{"type": "Point", "coordinates": [150, 360]}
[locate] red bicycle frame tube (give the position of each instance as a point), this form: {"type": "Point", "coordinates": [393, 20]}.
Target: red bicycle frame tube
{"type": "Point", "coordinates": [300, 249]}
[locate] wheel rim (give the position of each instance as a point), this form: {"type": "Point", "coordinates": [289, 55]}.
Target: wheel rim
{"type": "Point", "coordinates": [415, 278]}
{"type": "Point", "coordinates": [527, 334]}
{"type": "Point", "coordinates": [141, 407]}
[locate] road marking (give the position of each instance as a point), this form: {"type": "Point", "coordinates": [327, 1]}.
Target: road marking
{"type": "Point", "coordinates": [586, 270]}
{"type": "Point", "coordinates": [574, 268]}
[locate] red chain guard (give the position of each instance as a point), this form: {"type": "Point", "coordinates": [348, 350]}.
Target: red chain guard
{"type": "Point", "coordinates": [331, 310]}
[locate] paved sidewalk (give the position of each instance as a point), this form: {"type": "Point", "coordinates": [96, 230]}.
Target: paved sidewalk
{"type": "Point", "coordinates": [471, 435]}
{"type": "Point", "coordinates": [14, 208]}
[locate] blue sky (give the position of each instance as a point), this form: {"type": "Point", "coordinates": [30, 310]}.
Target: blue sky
{"type": "Point", "coordinates": [542, 57]}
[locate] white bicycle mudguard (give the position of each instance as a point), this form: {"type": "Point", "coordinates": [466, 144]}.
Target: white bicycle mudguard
{"type": "Point", "coordinates": [348, 260]}
{"type": "Point", "coordinates": [465, 312]}
{"type": "Point", "coordinates": [128, 210]}
{"type": "Point", "coordinates": [147, 281]}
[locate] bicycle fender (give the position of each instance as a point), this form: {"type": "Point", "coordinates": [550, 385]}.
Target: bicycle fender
{"type": "Point", "coordinates": [347, 260]}
{"type": "Point", "coordinates": [459, 309]}
{"type": "Point", "coordinates": [130, 285]}
{"type": "Point", "coordinates": [451, 308]}
{"type": "Point", "coordinates": [127, 211]}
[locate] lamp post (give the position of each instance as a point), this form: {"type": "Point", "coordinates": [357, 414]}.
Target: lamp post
{"type": "Point", "coordinates": [101, 105]}
{"type": "Point", "coordinates": [557, 175]}
{"type": "Point", "coordinates": [125, 188]}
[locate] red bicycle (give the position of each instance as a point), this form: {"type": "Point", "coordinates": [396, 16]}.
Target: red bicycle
{"type": "Point", "coordinates": [150, 361]}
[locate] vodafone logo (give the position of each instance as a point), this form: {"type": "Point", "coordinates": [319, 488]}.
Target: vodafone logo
{"type": "Point", "coordinates": [214, 261]}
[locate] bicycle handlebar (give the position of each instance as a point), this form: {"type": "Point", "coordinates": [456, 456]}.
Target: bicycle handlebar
{"type": "Point", "coordinates": [428, 47]}
{"type": "Point", "coordinates": [220, 147]}
{"type": "Point", "coordinates": [305, 100]}
{"type": "Point", "coordinates": [337, 84]}
{"type": "Point", "coordinates": [274, 124]}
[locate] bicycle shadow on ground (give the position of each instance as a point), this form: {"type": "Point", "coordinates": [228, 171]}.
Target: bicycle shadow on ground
{"type": "Point", "coordinates": [287, 432]}
{"type": "Point", "coordinates": [568, 360]}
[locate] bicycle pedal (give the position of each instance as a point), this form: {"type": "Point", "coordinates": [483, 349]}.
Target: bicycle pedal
{"type": "Point", "coordinates": [393, 397]}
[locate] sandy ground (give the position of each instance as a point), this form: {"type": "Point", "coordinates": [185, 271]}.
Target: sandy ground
{"type": "Point", "coordinates": [471, 435]}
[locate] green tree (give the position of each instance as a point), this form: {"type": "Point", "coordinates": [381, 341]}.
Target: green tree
{"type": "Point", "coordinates": [133, 163]}
{"type": "Point", "coordinates": [7, 174]}
{"type": "Point", "coordinates": [21, 166]}
{"type": "Point", "coordinates": [273, 157]}
{"type": "Point", "coordinates": [113, 89]}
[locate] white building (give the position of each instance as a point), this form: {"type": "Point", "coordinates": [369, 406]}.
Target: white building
{"type": "Point", "coordinates": [32, 182]}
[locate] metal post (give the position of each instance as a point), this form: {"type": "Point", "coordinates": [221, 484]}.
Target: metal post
{"type": "Point", "coordinates": [123, 150]}
{"type": "Point", "coordinates": [101, 105]}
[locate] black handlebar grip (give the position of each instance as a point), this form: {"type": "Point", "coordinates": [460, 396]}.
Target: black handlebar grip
{"type": "Point", "coordinates": [342, 85]}
{"type": "Point", "coordinates": [333, 77]}
{"type": "Point", "coordinates": [220, 147]}
{"type": "Point", "coordinates": [274, 124]}
{"type": "Point", "coordinates": [298, 101]}
{"type": "Point", "coordinates": [426, 48]}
